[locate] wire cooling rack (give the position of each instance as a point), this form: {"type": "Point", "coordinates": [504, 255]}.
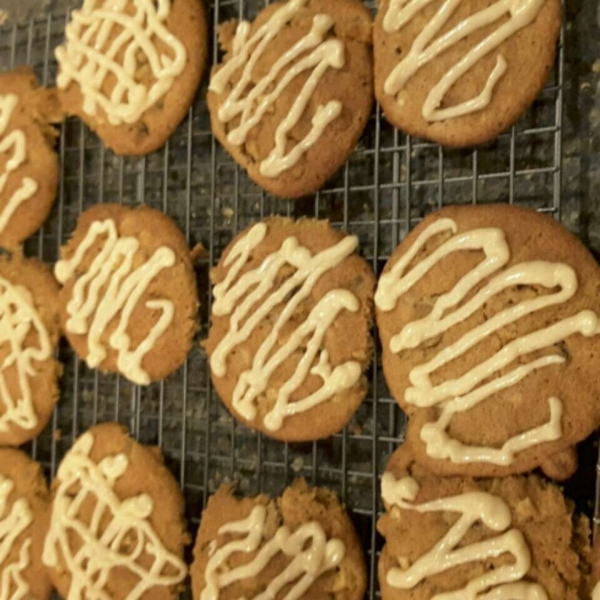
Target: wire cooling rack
{"type": "Point", "coordinates": [388, 183]}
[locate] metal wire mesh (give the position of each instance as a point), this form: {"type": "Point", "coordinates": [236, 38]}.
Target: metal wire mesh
{"type": "Point", "coordinates": [388, 183]}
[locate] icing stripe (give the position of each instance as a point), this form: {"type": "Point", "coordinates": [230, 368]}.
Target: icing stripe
{"type": "Point", "coordinates": [18, 321]}
{"type": "Point", "coordinates": [112, 285]}
{"type": "Point", "coordinates": [114, 534]}
{"type": "Point", "coordinates": [312, 53]}
{"type": "Point", "coordinates": [16, 143]}
{"type": "Point", "coordinates": [462, 393]}
{"type": "Point", "coordinates": [500, 583]}
{"type": "Point", "coordinates": [311, 555]}
{"type": "Point", "coordinates": [431, 42]}
{"type": "Point", "coordinates": [251, 297]}
{"type": "Point", "coordinates": [104, 41]}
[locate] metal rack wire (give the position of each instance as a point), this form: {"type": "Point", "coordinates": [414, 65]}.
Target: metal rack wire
{"type": "Point", "coordinates": [388, 183]}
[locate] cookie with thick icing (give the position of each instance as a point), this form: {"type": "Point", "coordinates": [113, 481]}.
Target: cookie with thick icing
{"type": "Point", "coordinates": [29, 166]}
{"type": "Point", "coordinates": [129, 300]}
{"type": "Point", "coordinates": [24, 506]}
{"type": "Point", "coordinates": [302, 544]}
{"type": "Point", "coordinates": [117, 527]}
{"type": "Point", "coordinates": [29, 334]}
{"type": "Point", "coordinates": [457, 537]}
{"type": "Point", "coordinates": [294, 91]}
{"type": "Point", "coordinates": [130, 69]}
{"type": "Point", "coordinates": [290, 338]}
{"type": "Point", "coordinates": [488, 318]}
{"type": "Point", "coordinates": [460, 73]}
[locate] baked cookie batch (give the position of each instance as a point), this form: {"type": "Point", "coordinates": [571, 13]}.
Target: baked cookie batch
{"type": "Point", "coordinates": [488, 317]}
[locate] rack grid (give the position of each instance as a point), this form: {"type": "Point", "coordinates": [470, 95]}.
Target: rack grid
{"type": "Point", "coordinates": [389, 182]}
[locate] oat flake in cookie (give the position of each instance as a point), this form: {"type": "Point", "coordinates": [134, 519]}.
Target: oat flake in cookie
{"type": "Point", "coordinates": [29, 333]}
{"type": "Point", "coordinates": [290, 328]}
{"type": "Point", "coordinates": [488, 318]}
{"type": "Point", "coordinates": [302, 545]}
{"type": "Point", "coordinates": [460, 73]}
{"type": "Point", "coordinates": [130, 68]}
{"type": "Point", "coordinates": [24, 506]}
{"type": "Point", "coordinates": [129, 299]}
{"type": "Point", "coordinates": [117, 526]}
{"type": "Point", "coordinates": [28, 163]}
{"type": "Point", "coordinates": [294, 91]}
{"type": "Point", "coordinates": [456, 538]}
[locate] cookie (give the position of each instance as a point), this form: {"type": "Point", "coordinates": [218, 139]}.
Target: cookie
{"type": "Point", "coordinates": [290, 339]}
{"type": "Point", "coordinates": [294, 91]}
{"type": "Point", "coordinates": [302, 544]}
{"type": "Point", "coordinates": [117, 526]}
{"type": "Point", "coordinates": [29, 334]}
{"type": "Point", "coordinates": [29, 166]}
{"type": "Point", "coordinates": [457, 537]}
{"type": "Point", "coordinates": [460, 73]}
{"type": "Point", "coordinates": [129, 299]}
{"type": "Point", "coordinates": [24, 505]}
{"type": "Point", "coordinates": [131, 69]}
{"type": "Point", "coordinates": [488, 318]}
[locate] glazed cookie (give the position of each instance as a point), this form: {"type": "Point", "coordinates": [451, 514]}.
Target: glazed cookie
{"type": "Point", "coordinates": [24, 505]}
{"type": "Point", "coordinates": [130, 69]}
{"type": "Point", "coordinates": [29, 333]}
{"type": "Point", "coordinates": [489, 326]}
{"type": "Point", "coordinates": [129, 299]}
{"type": "Point", "coordinates": [117, 528]}
{"type": "Point", "coordinates": [460, 73]}
{"type": "Point", "coordinates": [457, 537]}
{"type": "Point", "coordinates": [294, 91]}
{"type": "Point", "coordinates": [290, 328]}
{"type": "Point", "coordinates": [302, 544]}
{"type": "Point", "coordinates": [29, 165]}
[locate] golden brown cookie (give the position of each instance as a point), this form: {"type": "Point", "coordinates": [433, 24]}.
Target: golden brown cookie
{"type": "Point", "coordinates": [129, 299]}
{"type": "Point", "coordinates": [515, 536]}
{"type": "Point", "coordinates": [24, 506]}
{"type": "Point", "coordinates": [29, 333]}
{"type": "Point", "coordinates": [303, 544]}
{"type": "Point", "coordinates": [131, 69]}
{"type": "Point", "coordinates": [117, 527]}
{"type": "Point", "coordinates": [294, 91]}
{"type": "Point", "coordinates": [29, 167]}
{"type": "Point", "coordinates": [290, 328]}
{"type": "Point", "coordinates": [488, 318]}
{"type": "Point", "coordinates": [460, 73]}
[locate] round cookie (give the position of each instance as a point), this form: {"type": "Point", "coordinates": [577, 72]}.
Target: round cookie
{"type": "Point", "coordinates": [493, 62]}
{"type": "Point", "coordinates": [294, 91]}
{"type": "Point", "coordinates": [323, 559]}
{"type": "Point", "coordinates": [129, 299]}
{"type": "Point", "coordinates": [444, 535]}
{"type": "Point", "coordinates": [290, 328]}
{"type": "Point", "coordinates": [29, 334]}
{"type": "Point", "coordinates": [117, 528]}
{"type": "Point", "coordinates": [24, 506]}
{"type": "Point", "coordinates": [488, 318]}
{"type": "Point", "coordinates": [29, 166]}
{"type": "Point", "coordinates": [131, 70]}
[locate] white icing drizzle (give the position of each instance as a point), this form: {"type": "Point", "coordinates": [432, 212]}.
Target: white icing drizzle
{"type": "Point", "coordinates": [116, 534]}
{"type": "Point", "coordinates": [103, 40]}
{"type": "Point", "coordinates": [254, 296]}
{"type": "Point", "coordinates": [251, 101]}
{"type": "Point", "coordinates": [311, 554]}
{"type": "Point", "coordinates": [460, 394]}
{"type": "Point", "coordinates": [16, 143]}
{"type": "Point", "coordinates": [114, 269]}
{"type": "Point", "coordinates": [13, 523]}
{"type": "Point", "coordinates": [500, 583]}
{"type": "Point", "coordinates": [430, 43]}
{"type": "Point", "coordinates": [18, 320]}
